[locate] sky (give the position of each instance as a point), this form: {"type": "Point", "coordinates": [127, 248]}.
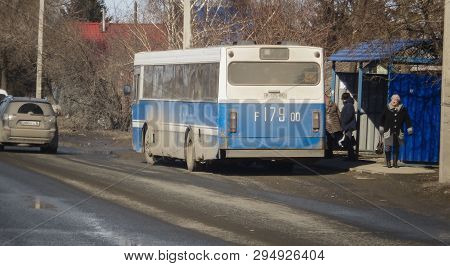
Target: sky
{"type": "Point", "coordinates": [119, 9]}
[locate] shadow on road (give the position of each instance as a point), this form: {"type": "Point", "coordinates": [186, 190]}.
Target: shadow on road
{"type": "Point", "coordinates": [36, 150]}
{"type": "Point", "coordinates": [262, 168]}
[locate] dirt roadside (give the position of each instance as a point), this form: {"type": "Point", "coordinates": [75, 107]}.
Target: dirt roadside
{"type": "Point", "coordinates": [106, 142]}
{"type": "Point", "coordinates": [421, 194]}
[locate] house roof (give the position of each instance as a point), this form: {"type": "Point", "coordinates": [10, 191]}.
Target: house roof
{"type": "Point", "coordinates": [377, 50]}
{"type": "Point", "coordinates": [92, 31]}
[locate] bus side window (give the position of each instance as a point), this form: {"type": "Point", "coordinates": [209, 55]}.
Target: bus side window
{"type": "Point", "coordinates": [168, 83]}
{"type": "Point", "coordinates": [201, 78]}
{"type": "Point", "coordinates": [182, 82]}
{"type": "Point", "coordinates": [192, 80]}
{"type": "Point", "coordinates": [213, 86]}
{"type": "Point", "coordinates": [148, 82]}
{"type": "Point", "coordinates": [134, 93]}
{"type": "Point", "coordinates": [186, 80]}
{"type": "Point", "coordinates": [178, 84]}
{"type": "Point", "coordinates": [205, 95]}
{"type": "Point", "coordinates": [157, 82]}
{"type": "Point", "coordinates": [136, 81]}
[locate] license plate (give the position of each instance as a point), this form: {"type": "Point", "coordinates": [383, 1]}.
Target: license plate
{"type": "Point", "coordinates": [272, 113]}
{"type": "Point", "coordinates": [29, 123]}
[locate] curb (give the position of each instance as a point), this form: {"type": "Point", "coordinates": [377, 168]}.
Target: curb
{"type": "Point", "coordinates": [361, 169]}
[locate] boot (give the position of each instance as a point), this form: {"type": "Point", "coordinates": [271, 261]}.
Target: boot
{"type": "Point", "coordinates": [388, 159]}
{"type": "Point", "coordinates": [395, 159]}
{"type": "Point", "coordinates": [328, 153]}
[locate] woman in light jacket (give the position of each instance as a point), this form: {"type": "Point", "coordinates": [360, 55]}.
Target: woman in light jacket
{"type": "Point", "coordinates": [392, 120]}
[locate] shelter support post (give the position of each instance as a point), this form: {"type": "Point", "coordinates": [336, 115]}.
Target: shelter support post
{"type": "Point", "coordinates": [333, 82]}
{"type": "Point", "coordinates": [444, 156]}
{"type": "Point", "coordinates": [359, 111]}
{"type": "Point", "coordinates": [390, 69]}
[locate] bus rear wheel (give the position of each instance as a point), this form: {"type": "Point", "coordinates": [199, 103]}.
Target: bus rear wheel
{"type": "Point", "coordinates": [148, 141]}
{"type": "Point", "coordinates": [189, 153]}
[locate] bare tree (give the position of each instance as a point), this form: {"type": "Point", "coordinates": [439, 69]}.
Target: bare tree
{"type": "Point", "coordinates": [86, 78]}
{"type": "Point", "coordinates": [213, 21]}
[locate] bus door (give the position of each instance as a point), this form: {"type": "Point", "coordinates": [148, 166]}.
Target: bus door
{"type": "Point", "coordinates": [136, 115]}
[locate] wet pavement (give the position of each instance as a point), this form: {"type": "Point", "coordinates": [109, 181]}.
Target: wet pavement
{"type": "Point", "coordinates": [38, 210]}
{"type": "Point", "coordinates": [83, 197]}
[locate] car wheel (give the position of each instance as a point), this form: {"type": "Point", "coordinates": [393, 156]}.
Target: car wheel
{"type": "Point", "coordinates": [189, 153]}
{"type": "Point", "coordinates": [53, 146]}
{"type": "Point", "coordinates": [148, 154]}
{"type": "Point", "coordinates": [52, 149]}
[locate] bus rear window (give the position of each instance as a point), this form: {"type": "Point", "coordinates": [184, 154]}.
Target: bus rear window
{"type": "Point", "coordinates": [273, 73]}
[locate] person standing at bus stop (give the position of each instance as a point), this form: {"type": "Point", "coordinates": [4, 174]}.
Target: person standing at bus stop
{"type": "Point", "coordinates": [392, 120]}
{"type": "Point", "coordinates": [348, 123]}
{"type": "Point", "coordinates": [333, 125]}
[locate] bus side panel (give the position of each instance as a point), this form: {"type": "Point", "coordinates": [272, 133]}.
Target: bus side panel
{"type": "Point", "coordinates": [272, 126]}
{"type": "Point", "coordinates": [181, 116]}
{"type": "Point", "coordinates": [137, 123]}
{"type": "Point", "coordinates": [170, 120]}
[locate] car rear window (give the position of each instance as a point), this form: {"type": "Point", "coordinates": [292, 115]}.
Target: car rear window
{"type": "Point", "coordinates": [31, 108]}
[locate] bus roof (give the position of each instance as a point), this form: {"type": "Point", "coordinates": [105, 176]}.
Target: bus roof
{"type": "Point", "coordinates": [196, 55]}
{"type": "Point", "coordinates": [200, 55]}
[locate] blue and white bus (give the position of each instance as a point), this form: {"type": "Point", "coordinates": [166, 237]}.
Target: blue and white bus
{"type": "Point", "coordinates": [243, 101]}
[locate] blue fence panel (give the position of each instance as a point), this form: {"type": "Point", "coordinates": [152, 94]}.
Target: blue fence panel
{"type": "Point", "coordinates": [421, 94]}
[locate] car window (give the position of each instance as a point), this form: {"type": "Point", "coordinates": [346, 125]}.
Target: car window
{"type": "Point", "coordinates": [3, 105]}
{"type": "Point", "coordinates": [30, 108]}
{"type": "Point", "coordinates": [33, 108]}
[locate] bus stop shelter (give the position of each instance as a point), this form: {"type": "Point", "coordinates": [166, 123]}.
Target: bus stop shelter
{"type": "Point", "coordinates": [420, 91]}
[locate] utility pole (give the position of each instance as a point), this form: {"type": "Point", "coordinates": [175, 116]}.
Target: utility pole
{"type": "Point", "coordinates": [135, 16]}
{"type": "Point", "coordinates": [135, 12]}
{"type": "Point", "coordinates": [187, 24]}
{"type": "Point", "coordinates": [39, 52]}
{"type": "Point", "coordinates": [444, 158]}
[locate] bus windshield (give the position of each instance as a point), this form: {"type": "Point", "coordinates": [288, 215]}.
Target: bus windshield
{"type": "Point", "coordinates": [273, 73]}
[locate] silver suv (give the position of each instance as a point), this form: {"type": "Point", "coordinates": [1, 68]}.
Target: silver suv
{"type": "Point", "coordinates": [28, 122]}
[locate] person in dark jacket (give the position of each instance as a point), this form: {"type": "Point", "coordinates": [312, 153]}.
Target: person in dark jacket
{"type": "Point", "coordinates": [348, 123]}
{"type": "Point", "coordinates": [333, 125]}
{"type": "Point", "coordinates": [392, 120]}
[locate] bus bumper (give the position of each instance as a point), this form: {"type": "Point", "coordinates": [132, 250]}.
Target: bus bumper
{"type": "Point", "coordinates": [274, 153]}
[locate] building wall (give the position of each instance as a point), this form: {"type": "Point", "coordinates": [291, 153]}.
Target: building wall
{"type": "Point", "coordinates": [421, 94]}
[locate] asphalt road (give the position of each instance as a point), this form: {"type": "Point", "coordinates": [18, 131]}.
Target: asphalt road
{"type": "Point", "coordinates": [38, 210]}
{"type": "Point", "coordinates": [76, 198]}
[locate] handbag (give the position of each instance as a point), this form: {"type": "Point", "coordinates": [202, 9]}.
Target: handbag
{"type": "Point", "coordinates": [380, 146]}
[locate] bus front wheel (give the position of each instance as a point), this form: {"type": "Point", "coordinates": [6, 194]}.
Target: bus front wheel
{"type": "Point", "coordinates": [148, 141]}
{"type": "Point", "coordinates": [189, 153]}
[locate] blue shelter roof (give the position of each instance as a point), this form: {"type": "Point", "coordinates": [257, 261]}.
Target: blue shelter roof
{"type": "Point", "coordinates": [375, 50]}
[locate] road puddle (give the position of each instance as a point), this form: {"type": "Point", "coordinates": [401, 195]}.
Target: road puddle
{"type": "Point", "coordinates": [38, 203]}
